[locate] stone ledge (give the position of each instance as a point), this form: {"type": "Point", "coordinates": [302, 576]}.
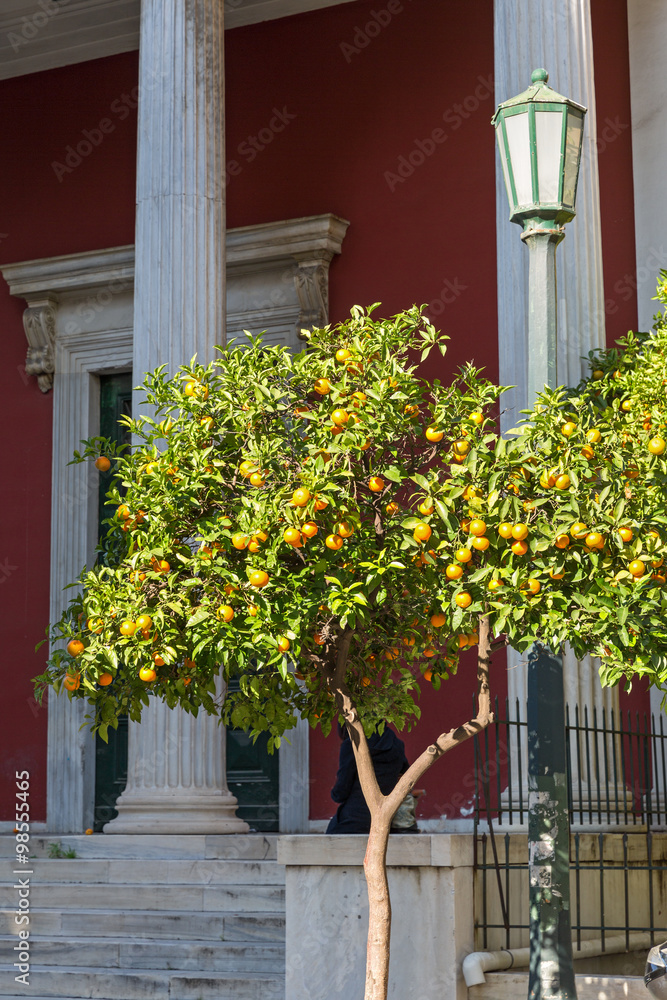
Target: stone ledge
{"type": "Point", "coordinates": [510, 985]}
{"type": "Point", "coordinates": [405, 850]}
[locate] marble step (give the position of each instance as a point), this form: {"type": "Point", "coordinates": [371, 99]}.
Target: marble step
{"type": "Point", "coordinates": [216, 898]}
{"type": "Point", "coordinates": [160, 872]}
{"type": "Point", "coordinates": [137, 953]}
{"type": "Point", "coordinates": [234, 847]}
{"type": "Point", "coordinates": [118, 984]}
{"type": "Point", "coordinates": [183, 926]}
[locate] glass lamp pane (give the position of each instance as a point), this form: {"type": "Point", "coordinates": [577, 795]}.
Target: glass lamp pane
{"type": "Point", "coordinates": [548, 131]}
{"type": "Point", "coordinates": [503, 159]}
{"type": "Point", "coordinates": [575, 129]}
{"type": "Point", "coordinates": [519, 150]}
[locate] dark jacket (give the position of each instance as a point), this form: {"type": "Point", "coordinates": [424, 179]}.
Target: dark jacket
{"type": "Point", "coordinates": [389, 761]}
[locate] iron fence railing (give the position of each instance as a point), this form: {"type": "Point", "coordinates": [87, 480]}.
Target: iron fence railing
{"type": "Point", "coordinates": [617, 796]}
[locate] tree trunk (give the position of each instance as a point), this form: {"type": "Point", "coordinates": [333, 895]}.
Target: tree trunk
{"type": "Point", "coordinates": [383, 807]}
{"type": "Point", "coordinates": [379, 908]}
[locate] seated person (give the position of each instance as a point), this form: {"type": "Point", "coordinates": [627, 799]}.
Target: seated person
{"type": "Point", "coordinates": [389, 760]}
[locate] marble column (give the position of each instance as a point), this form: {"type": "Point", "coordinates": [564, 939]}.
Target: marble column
{"type": "Point", "coordinates": [556, 35]}
{"type": "Point", "coordinates": [176, 767]}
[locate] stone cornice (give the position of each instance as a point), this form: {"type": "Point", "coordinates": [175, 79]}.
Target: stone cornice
{"type": "Point", "coordinates": [301, 249]}
{"type": "Point", "coordinates": [36, 35]}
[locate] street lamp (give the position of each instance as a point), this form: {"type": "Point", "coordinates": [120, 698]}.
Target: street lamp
{"type": "Point", "coordinates": [539, 138]}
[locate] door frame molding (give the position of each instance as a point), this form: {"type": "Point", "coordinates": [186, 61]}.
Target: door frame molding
{"type": "Point", "coordinates": [79, 325]}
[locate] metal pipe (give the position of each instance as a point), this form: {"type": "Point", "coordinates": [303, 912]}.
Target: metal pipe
{"type": "Point", "coordinates": [478, 962]}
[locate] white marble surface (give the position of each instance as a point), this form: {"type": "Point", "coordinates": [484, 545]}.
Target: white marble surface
{"type": "Point", "coordinates": [327, 919]}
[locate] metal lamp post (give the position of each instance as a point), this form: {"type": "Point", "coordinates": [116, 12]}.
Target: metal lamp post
{"type": "Point", "coordinates": [539, 137]}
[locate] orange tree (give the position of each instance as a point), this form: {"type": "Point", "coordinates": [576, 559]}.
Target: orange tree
{"type": "Point", "coordinates": [330, 529]}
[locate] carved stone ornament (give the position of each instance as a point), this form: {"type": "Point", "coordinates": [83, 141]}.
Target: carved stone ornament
{"type": "Point", "coordinates": [311, 280]}
{"type": "Point", "coordinates": [39, 323]}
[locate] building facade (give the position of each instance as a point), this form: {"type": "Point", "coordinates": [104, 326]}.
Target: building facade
{"type": "Point", "coordinates": [177, 169]}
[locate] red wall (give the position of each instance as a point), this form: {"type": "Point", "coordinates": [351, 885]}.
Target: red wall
{"type": "Point", "coordinates": [360, 114]}
{"type": "Point", "coordinates": [614, 145]}
{"type": "Point", "coordinates": [42, 214]}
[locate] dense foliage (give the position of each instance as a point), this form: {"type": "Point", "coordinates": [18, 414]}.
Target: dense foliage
{"type": "Point", "coordinates": [283, 510]}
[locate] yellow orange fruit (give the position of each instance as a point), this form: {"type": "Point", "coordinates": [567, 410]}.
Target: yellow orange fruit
{"type": "Point", "coordinates": [562, 541]}
{"type": "Point", "coordinates": [144, 622]}
{"type": "Point", "coordinates": [519, 531]}
{"type": "Point", "coordinates": [426, 507]}
{"type": "Point", "coordinates": [461, 447]}
{"type": "Point", "coordinates": [253, 610]}
{"type": "Point", "coordinates": [579, 530]}
{"type": "Point", "coordinates": [258, 578]}
{"type": "Point", "coordinates": [433, 434]}
{"type": "Point", "coordinates": [343, 354]}
{"type": "Point", "coordinates": [340, 417]}
{"type": "Point", "coordinates": [637, 568]}
{"type": "Point", "coordinates": [562, 481]}
{"type": "Point", "coordinates": [300, 497]}
{"type": "Point", "coordinates": [376, 484]}
{"type": "Point", "coordinates": [505, 529]}
{"type": "Point", "coordinates": [438, 620]}
{"type": "Point", "coordinates": [309, 529]}
{"type": "Point", "coordinates": [128, 627]}
{"type": "Point", "coordinates": [333, 542]}
{"type": "Point", "coordinates": [283, 643]}
{"type": "Point", "coordinates": [256, 479]}
{"type": "Point", "coordinates": [519, 548]}
{"type": "Point", "coordinates": [293, 537]}
{"type": "Point", "coordinates": [594, 540]}
{"type": "Point", "coordinates": [102, 463]}
{"type": "Point", "coordinates": [392, 508]}
{"type": "Point", "coordinates": [105, 679]}
{"type": "Point", "coordinates": [344, 528]}
{"type": "Point", "coordinates": [147, 674]}
{"type": "Point", "coordinates": [422, 532]}
{"type": "Point", "coordinates": [463, 555]}
{"type": "Point", "coordinates": [568, 428]}
{"type": "Point", "coordinates": [476, 417]}
{"type": "Point", "coordinates": [454, 572]}
{"type": "Point", "coordinates": [95, 625]}
{"type": "Point", "coordinates": [123, 512]}
{"type": "Point", "coordinates": [225, 613]}
{"type": "Point", "coordinates": [71, 681]}
{"type": "Point", "coordinates": [481, 543]}
{"type": "Point", "coordinates": [463, 600]}
{"type": "Point", "coordinates": [626, 534]}
{"type": "Point", "coordinates": [321, 502]}
{"type": "Point", "coordinates": [477, 527]}
{"type": "Point", "coordinates": [593, 435]}
{"type": "Point", "coordinates": [322, 386]}
{"type": "Point", "coordinates": [240, 540]}
{"type": "Point", "coordinates": [657, 445]}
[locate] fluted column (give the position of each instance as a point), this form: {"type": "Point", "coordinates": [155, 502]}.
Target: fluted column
{"type": "Point", "coordinates": [176, 767]}
{"type": "Point", "coordinates": [555, 34]}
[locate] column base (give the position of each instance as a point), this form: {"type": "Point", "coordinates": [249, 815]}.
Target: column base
{"type": "Point", "coordinates": [177, 814]}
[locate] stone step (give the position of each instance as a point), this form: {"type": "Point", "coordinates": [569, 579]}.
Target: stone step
{"type": "Point", "coordinates": [118, 984]}
{"type": "Point", "coordinates": [184, 926]}
{"type": "Point", "coordinates": [216, 898]}
{"type": "Point", "coordinates": [233, 847]}
{"type": "Point", "coordinates": [138, 953]}
{"type": "Point", "coordinates": [159, 872]}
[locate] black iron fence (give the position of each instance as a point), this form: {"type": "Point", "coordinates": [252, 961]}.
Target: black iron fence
{"type": "Point", "coordinates": [617, 795]}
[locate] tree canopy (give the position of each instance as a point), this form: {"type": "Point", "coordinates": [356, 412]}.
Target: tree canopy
{"type": "Point", "coordinates": [297, 519]}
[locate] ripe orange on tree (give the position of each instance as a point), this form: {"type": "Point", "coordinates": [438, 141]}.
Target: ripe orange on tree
{"type": "Point", "coordinates": [376, 484]}
{"type": "Point", "coordinates": [144, 622]}
{"type": "Point", "coordinates": [422, 532]}
{"type": "Point", "coordinates": [240, 540]}
{"type": "Point", "coordinates": [392, 507]}
{"type": "Point", "coordinates": [519, 531]}
{"type": "Point", "coordinates": [463, 555]}
{"type": "Point", "coordinates": [322, 386]}
{"type": "Point", "coordinates": [72, 681]}
{"type": "Point", "coordinates": [340, 417]}
{"type": "Point", "coordinates": [657, 445]}
{"type": "Point", "coordinates": [259, 578]}
{"type": "Point", "coordinates": [147, 674]}
{"type": "Point", "coordinates": [595, 540]}
{"type": "Point", "coordinates": [477, 527]}
{"type": "Point", "coordinates": [454, 571]}
{"type": "Point", "coordinates": [225, 613]}
{"type": "Point", "coordinates": [426, 506]}
{"type": "Point", "coordinates": [433, 434]}
{"type": "Point", "coordinates": [123, 512]}
{"type": "Point", "coordinates": [128, 627]}
{"type": "Point", "coordinates": [343, 354]}
{"type": "Point", "coordinates": [463, 600]}
{"type": "Point", "coordinates": [344, 528]}
{"type": "Point", "coordinates": [505, 529]}
{"type": "Point", "coordinates": [102, 463]}
{"type": "Point", "coordinates": [593, 435]}
{"type": "Point", "coordinates": [105, 679]}
{"type": "Point", "coordinates": [481, 543]}
{"type": "Point", "coordinates": [75, 647]}
{"type": "Point", "coordinates": [309, 529]}
{"type": "Point", "coordinates": [579, 530]}
{"type": "Point", "coordinates": [562, 541]}
{"type": "Point", "coordinates": [293, 537]}
{"type": "Point", "coordinates": [321, 503]}
{"type": "Point", "coordinates": [626, 534]}
{"type": "Point", "coordinates": [562, 481]}
{"type": "Point", "coordinates": [283, 643]}
{"type": "Point", "coordinates": [438, 620]}
{"type": "Point", "coordinates": [637, 568]}
{"type": "Point", "coordinates": [300, 497]}
{"type": "Point", "coordinates": [519, 548]}
{"type": "Point", "coordinates": [568, 428]}
{"type": "Point", "coordinates": [333, 542]}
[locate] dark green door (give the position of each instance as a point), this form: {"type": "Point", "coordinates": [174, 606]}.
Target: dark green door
{"type": "Point", "coordinates": [252, 773]}
{"type": "Point", "coordinates": [252, 776]}
{"type": "Point", "coordinates": [111, 757]}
